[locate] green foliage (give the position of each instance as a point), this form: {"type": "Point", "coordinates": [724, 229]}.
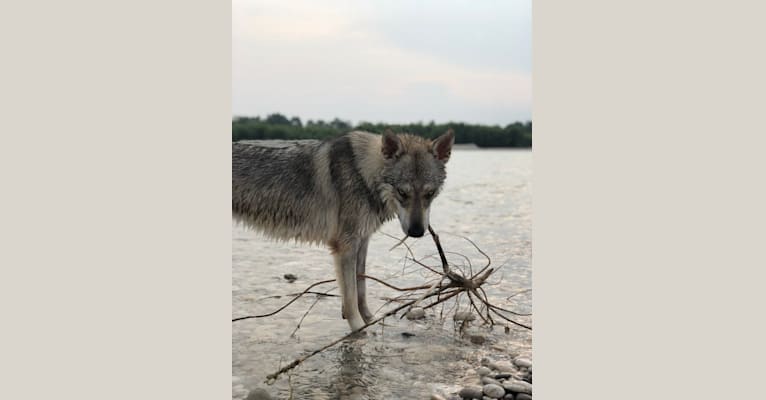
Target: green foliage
{"type": "Point", "coordinates": [278, 126]}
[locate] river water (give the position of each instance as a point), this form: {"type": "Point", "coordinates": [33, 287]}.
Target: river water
{"type": "Point", "coordinates": [487, 197]}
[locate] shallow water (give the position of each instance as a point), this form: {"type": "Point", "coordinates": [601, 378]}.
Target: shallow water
{"type": "Point", "coordinates": [487, 198]}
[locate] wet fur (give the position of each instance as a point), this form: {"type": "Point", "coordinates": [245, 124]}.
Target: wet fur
{"type": "Point", "coordinates": [338, 193]}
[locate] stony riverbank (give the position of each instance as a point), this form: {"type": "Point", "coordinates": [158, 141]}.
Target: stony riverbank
{"type": "Point", "coordinates": [497, 380]}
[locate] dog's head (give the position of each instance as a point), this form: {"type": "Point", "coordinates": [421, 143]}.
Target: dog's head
{"type": "Point", "coordinates": [414, 173]}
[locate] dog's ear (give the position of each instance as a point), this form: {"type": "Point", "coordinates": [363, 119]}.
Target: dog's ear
{"type": "Point", "coordinates": [391, 144]}
{"type": "Point", "coordinates": [442, 146]}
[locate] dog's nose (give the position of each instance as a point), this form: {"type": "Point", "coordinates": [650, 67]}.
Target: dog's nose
{"type": "Point", "coordinates": [416, 231]}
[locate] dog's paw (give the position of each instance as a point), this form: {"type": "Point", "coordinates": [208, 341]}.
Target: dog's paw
{"type": "Point", "coordinates": [367, 317]}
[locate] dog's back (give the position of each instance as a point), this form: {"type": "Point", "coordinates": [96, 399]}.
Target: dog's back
{"type": "Point", "coordinates": [278, 188]}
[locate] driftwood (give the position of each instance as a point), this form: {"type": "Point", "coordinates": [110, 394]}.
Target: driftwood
{"type": "Point", "coordinates": [450, 284]}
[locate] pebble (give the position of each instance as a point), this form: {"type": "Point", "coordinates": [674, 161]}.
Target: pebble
{"type": "Point", "coordinates": [508, 396]}
{"type": "Point", "coordinates": [494, 391]}
{"type": "Point", "coordinates": [487, 380]}
{"type": "Point", "coordinates": [435, 396]}
{"type": "Point", "coordinates": [518, 386]}
{"type": "Point", "coordinates": [483, 371]}
{"type": "Point", "coordinates": [504, 366]}
{"type": "Point", "coordinates": [523, 396]}
{"type": "Point", "coordinates": [290, 277]}
{"type": "Point", "coordinates": [471, 392]}
{"type": "Point", "coordinates": [416, 313]}
{"type": "Point", "coordinates": [478, 338]}
{"type": "Point", "coordinates": [503, 376]}
{"type": "Point", "coordinates": [259, 394]}
{"type": "Point", "coordinates": [523, 362]}
{"type": "Point", "coordinates": [464, 316]}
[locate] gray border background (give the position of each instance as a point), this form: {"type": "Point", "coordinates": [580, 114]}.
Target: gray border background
{"type": "Point", "coordinates": [648, 199]}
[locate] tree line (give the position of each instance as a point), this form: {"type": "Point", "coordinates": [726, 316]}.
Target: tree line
{"type": "Point", "coordinates": [278, 126]}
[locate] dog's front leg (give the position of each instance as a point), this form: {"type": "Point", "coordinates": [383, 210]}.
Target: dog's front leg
{"type": "Point", "coordinates": [345, 271]}
{"type": "Point", "coordinates": [361, 283]}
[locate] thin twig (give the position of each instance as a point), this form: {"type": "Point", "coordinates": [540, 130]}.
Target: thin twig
{"type": "Point", "coordinates": [307, 313]}
{"type": "Point", "coordinates": [284, 306]}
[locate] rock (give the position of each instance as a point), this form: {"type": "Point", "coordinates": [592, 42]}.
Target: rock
{"type": "Point", "coordinates": [508, 396]}
{"type": "Point", "coordinates": [416, 313]}
{"type": "Point", "coordinates": [504, 366]}
{"type": "Point", "coordinates": [487, 380]}
{"type": "Point", "coordinates": [259, 394]}
{"type": "Point", "coordinates": [494, 391]}
{"type": "Point", "coordinates": [408, 334]}
{"type": "Point", "coordinates": [483, 371]}
{"type": "Point", "coordinates": [290, 277]}
{"type": "Point", "coordinates": [503, 376]}
{"type": "Point", "coordinates": [471, 392]}
{"type": "Point", "coordinates": [464, 316]}
{"type": "Point", "coordinates": [523, 362]}
{"type": "Point", "coordinates": [518, 386]}
{"type": "Point", "coordinates": [487, 362]}
{"type": "Point", "coordinates": [435, 396]}
{"type": "Point", "coordinates": [523, 396]}
{"type": "Point", "coordinates": [477, 338]}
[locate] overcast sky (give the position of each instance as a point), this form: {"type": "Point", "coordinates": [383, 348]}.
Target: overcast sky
{"type": "Point", "coordinates": [383, 61]}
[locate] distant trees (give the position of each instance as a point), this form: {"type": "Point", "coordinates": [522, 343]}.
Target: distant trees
{"type": "Point", "coordinates": [278, 126]}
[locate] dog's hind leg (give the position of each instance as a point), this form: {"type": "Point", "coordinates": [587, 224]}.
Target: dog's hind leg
{"type": "Point", "coordinates": [345, 271]}
{"type": "Point", "coordinates": [361, 283]}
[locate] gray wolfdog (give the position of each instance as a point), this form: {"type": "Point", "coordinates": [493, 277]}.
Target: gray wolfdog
{"type": "Point", "coordinates": [337, 193]}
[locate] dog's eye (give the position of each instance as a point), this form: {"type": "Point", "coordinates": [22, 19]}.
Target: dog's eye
{"type": "Point", "coordinates": [402, 193]}
{"type": "Point", "coordinates": [430, 194]}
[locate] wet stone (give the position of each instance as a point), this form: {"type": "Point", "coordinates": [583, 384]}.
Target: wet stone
{"type": "Point", "coordinates": [483, 371]}
{"type": "Point", "coordinates": [523, 396]}
{"type": "Point", "coordinates": [494, 391]}
{"type": "Point", "coordinates": [290, 277]}
{"type": "Point", "coordinates": [487, 380]}
{"type": "Point", "coordinates": [464, 316]}
{"type": "Point", "coordinates": [259, 394]}
{"type": "Point", "coordinates": [477, 338]}
{"type": "Point", "coordinates": [518, 387]}
{"type": "Point", "coordinates": [504, 366]}
{"type": "Point", "coordinates": [523, 362]}
{"type": "Point", "coordinates": [471, 392]}
{"type": "Point", "coordinates": [416, 313]}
